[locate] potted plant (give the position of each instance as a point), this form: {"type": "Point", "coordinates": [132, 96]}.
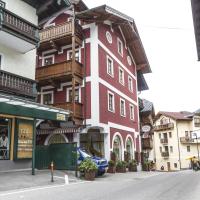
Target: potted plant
{"type": "Point", "coordinates": [121, 166]}
{"type": "Point", "coordinates": [89, 169]}
{"type": "Point", "coordinates": [111, 166]}
{"type": "Point", "coordinates": [146, 166]}
{"type": "Point", "coordinates": [132, 165]}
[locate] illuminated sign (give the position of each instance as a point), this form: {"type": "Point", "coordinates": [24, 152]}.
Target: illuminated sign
{"type": "Point", "coordinates": [60, 117]}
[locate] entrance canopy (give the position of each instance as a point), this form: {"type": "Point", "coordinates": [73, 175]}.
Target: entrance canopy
{"type": "Point", "coordinates": [14, 106]}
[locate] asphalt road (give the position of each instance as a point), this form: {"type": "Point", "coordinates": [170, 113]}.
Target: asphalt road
{"type": "Point", "coordinates": [183, 185]}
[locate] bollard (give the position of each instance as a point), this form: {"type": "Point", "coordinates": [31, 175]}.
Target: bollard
{"type": "Point", "coordinates": [52, 166]}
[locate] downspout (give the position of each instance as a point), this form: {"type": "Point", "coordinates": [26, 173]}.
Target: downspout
{"type": "Point", "coordinates": [179, 153]}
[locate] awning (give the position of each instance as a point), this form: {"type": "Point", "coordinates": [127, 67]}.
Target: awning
{"type": "Point", "coordinates": [14, 106]}
{"type": "Point", "coordinates": [65, 130]}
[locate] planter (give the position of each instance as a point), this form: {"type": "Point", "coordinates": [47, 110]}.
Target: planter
{"type": "Point", "coordinates": [121, 170]}
{"type": "Point", "coordinates": [132, 168]}
{"type": "Point", "coordinates": [111, 170]}
{"type": "Point", "coordinates": [90, 176]}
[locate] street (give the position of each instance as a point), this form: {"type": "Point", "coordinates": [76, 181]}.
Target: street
{"type": "Point", "coordinates": [184, 185]}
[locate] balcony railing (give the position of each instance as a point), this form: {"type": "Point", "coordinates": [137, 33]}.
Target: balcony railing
{"type": "Point", "coordinates": [165, 154]}
{"type": "Point", "coordinates": [163, 140]}
{"type": "Point", "coordinates": [164, 127]}
{"type": "Point", "coordinates": [58, 70]}
{"type": "Point", "coordinates": [17, 85]}
{"type": "Point", "coordinates": [186, 140]}
{"type": "Point", "coordinates": [59, 32]}
{"type": "Point", "coordinates": [68, 106]}
{"type": "Point", "coordinates": [147, 143]}
{"type": "Point", "coordinates": [18, 26]}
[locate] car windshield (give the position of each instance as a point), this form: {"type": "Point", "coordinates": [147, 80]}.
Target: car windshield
{"type": "Point", "coordinates": [85, 154]}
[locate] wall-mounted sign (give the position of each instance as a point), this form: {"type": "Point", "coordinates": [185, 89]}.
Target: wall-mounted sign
{"type": "Point", "coordinates": [146, 128]}
{"type": "Point", "coordinates": [25, 140]}
{"type": "Point", "coordinates": [61, 117]}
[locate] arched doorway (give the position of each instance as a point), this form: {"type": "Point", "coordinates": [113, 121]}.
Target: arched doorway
{"type": "Point", "coordinates": [56, 139]}
{"type": "Point", "coordinates": [129, 147]}
{"type": "Point", "coordinates": [117, 147]}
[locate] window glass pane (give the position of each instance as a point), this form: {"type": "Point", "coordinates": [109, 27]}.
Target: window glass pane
{"type": "Point", "coordinates": [47, 99]}
{"type": "Point", "coordinates": [48, 61]}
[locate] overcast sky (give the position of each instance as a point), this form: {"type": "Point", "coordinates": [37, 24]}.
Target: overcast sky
{"type": "Point", "coordinates": [166, 31]}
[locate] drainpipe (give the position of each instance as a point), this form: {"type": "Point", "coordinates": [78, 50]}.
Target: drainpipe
{"type": "Point", "coordinates": [179, 153]}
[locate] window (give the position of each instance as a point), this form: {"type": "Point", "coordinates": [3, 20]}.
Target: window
{"type": "Point", "coordinates": [122, 108]}
{"type": "Point", "coordinates": [170, 134]}
{"type": "Point", "coordinates": [186, 134]}
{"type": "Point", "coordinates": [110, 69]}
{"type": "Point", "coordinates": [111, 102]}
{"type": "Point", "coordinates": [131, 112]}
{"type": "Point", "coordinates": [69, 55]}
{"type": "Point", "coordinates": [159, 135]}
{"type": "Point", "coordinates": [175, 165]}
{"type": "Point", "coordinates": [188, 148]}
{"type": "Point", "coordinates": [171, 149]}
{"type": "Point", "coordinates": [48, 60]}
{"type": "Point", "coordinates": [166, 148]}
{"type": "Point", "coordinates": [130, 83]}
{"type": "Point", "coordinates": [47, 98]}
{"type": "Point", "coordinates": [69, 98]}
{"type": "Point", "coordinates": [160, 149]}
{"type": "Point", "coordinates": [120, 46]}
{"type": "Point", "coordinates": [121, 75]}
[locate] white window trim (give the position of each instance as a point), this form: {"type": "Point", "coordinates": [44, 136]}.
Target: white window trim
{"type": "Point", "coordinates": [112, 66]}
{"type": "Point", "coordinates": [47, 92]}
{"type": "Point", "coordinates": [79, 93]}
{"type": "Point", "coordinates": [132, 106]}
{"type": "Point", "coordinates": [70, 51]}
{"type": "Point", "coordinates": [130, 87]}
{"type": "Point", "coordinates": [119, 41]}
{"type": "Point", "coordinates": [124, 107]}
{"type": "Point", "coordinates": [49, 56]}
{"type": "Point", "coordinates": [123, 82]}
{"type": "Point", "coordinates": [112, 102]}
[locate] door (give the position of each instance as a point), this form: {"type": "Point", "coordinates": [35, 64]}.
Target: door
{"type": "Point", "coordinates": [168, 166]}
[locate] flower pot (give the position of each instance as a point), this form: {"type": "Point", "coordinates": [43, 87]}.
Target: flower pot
{"type": "Point", "coordinates": [90, 176]}
{"type": "Point", "coordinates": [111, 169]}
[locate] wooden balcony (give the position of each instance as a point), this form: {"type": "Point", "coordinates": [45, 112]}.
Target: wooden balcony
{"type": "Point", "coordinates": [59, 35]}
{"type": "Point", "coordinates": [15, 28]}
{"type": "Point", "coordinates": [59, 72]}
{"type": "Point", "coordinates": [164, 127]}
{"type": "Point", "coordinates": [187, 140]}
{"type": "Point", "coordinates": [164, 141]}
{"type": "Point", "coordinates": [147, 143]}
{"type": "Point", "coordinates": [165, 154]}
{"type": "Point", "coordinates": [68, 106]}
{"type": "Point", "coordinates": [17, 85]}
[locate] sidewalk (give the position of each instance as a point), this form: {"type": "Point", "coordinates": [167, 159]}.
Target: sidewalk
{"type": "Point", "coordinates": [24, 179]}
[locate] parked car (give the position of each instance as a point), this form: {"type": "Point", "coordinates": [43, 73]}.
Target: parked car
{"type": "Point", "coordinates": [102, 163]}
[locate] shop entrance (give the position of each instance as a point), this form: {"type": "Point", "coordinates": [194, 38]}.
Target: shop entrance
{"type": "Point", "coordinates": [93, 142]}
{"type": "Point", "coordinates": [5, 138]}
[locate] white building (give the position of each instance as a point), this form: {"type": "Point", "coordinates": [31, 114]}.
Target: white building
{"type": "Point", "coordinates": [174, 140]}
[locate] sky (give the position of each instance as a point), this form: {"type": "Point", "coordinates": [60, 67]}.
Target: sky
{"type": "Point", "coordinates": [167, 33]}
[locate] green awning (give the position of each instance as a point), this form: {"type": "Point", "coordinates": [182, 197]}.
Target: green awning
{"type": "Point", "coordinates": [12, 106]}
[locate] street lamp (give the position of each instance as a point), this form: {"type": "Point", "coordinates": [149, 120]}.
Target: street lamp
{"type": "Point", "coordinates": [195, 134]}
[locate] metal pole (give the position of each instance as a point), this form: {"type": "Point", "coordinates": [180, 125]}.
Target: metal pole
{"type": "Point", "coordinates": [34, 144]}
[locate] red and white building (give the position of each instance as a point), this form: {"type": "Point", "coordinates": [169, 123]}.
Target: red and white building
{"type": "Point", "coordinates": [92, 64]}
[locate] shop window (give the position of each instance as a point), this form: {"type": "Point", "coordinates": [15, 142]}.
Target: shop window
{"type": "Point", "coordinates": [4, 139]}
{"type": "Point", "coordinates": [129, 148]}
{"type": "Point", "coordinates": [117, 147]}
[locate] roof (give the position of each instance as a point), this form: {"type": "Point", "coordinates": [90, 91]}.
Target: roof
{"type": "Point", "coordinates": [183, 115]}
{"type": "Point", "coordinates": [196, 21]}
{"type": "Point", "coordinates": [128, 28]}
{"type": "Point", "coordinates": [147, 106]}
{"type": "Point", "coordinates": [141, 82]}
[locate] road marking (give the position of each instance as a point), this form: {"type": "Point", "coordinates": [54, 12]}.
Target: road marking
{"type": "Point", "coordinates": [40, 188]}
